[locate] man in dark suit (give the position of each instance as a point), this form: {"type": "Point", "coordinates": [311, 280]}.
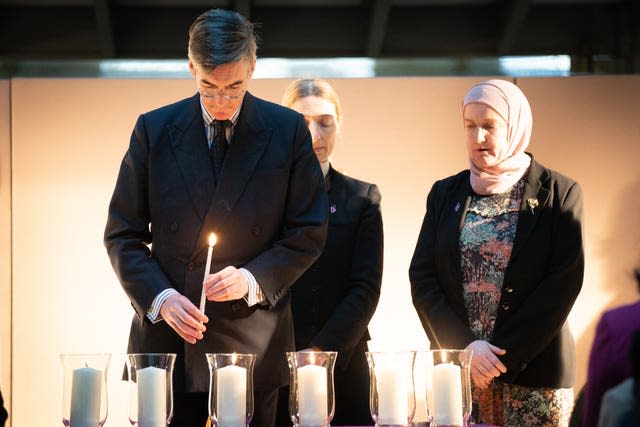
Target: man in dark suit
{"type": "Point", "coordinates": [221, 161]}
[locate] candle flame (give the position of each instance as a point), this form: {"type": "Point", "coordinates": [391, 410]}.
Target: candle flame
{"type": "Point", "coordinates": [212, 239]}
{"type": "Point", "coordinates": [234, 356]}
{"type": "Point", "coordinates": [312, 358]}
{"type": "Point", "coordinates": [443, 356]}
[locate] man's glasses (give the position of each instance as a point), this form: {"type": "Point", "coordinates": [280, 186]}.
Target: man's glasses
{"type": "Point", "coordinates": [229, 94]}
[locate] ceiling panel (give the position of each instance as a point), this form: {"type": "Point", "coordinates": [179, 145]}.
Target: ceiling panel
{"type": "Point", "coordinates": [123, 29]}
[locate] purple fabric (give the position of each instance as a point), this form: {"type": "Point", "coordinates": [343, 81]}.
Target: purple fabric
{"type": "Point", "coordinates": [609, 361]}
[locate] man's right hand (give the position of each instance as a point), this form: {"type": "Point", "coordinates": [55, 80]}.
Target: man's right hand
{"type": "Point", "coordinates": [184, 317]}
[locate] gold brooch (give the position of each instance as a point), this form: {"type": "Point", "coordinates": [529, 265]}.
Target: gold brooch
{"type": "Point", "coordinates": [533, 203]}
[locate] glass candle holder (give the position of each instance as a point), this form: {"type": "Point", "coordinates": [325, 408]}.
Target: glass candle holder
{"type": "Point", "coordinates": [230, 389]}
{"type": "Point", "coordinates": [422, 381]}
{"type": "Point", "coordinates": [150, 388]}
{"type": "Point", "coordinates": [311, 392]}
{"type": "Point", "coordinates": [391, 397]}
{"type": "Point", "coordinates": [84, 389]}
{"type": "Point", "coordinates": [449, 394]}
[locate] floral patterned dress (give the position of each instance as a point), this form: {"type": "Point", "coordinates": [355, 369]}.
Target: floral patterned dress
{"type": "Point", "coordinates": [486, 241]}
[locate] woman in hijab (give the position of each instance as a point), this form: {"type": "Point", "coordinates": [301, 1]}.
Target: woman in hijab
{"type": "Point", "coordinates": [499, 263]}
{"type": "Point", "coordinates": [333, 301]}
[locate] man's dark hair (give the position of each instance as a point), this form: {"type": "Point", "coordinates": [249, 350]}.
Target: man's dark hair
{"type": "Point", "coordinates": [221, 36]}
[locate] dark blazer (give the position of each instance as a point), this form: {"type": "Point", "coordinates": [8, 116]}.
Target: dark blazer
{"type": "Point", "coordinates": [334, 300]}
{"type": "Point", "coordinates": [541, 281]}
{"type": "Point", "coordinates": [268, 210]}
{"type": "Point", "coordinates": [609, 361]}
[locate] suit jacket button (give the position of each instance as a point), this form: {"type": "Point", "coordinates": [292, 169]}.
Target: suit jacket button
{"type": "Point", "coordinates": [190, 266]}
{"type": "Point", "coordinates": [235, 306]}
{"type": "Point", "coordinates": [509, 290]}
{"type": "Point", "coordinates": [256, 231]}
{"type": "Point", "coordinates": [505, 307]}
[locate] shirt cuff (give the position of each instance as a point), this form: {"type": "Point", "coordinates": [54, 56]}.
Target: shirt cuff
{"type": "Point", "coordinates": [254, 295]}
{"type": "Point", "coordinates": [153, 314]}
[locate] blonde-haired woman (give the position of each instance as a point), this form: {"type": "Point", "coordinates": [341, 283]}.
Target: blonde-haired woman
{"type": "Point", "coordinates": [334, 300]}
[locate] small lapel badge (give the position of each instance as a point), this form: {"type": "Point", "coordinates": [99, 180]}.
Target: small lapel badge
{"type": "Point", "coordinates": [332, 209]}
{"type": "Point", "coordinates": [533, 203]}
{"type": "Point", "coordinates": [457, 208]}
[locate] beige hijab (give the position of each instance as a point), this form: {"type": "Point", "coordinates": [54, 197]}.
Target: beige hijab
{"type": "Point", "coordinates": [508, 101]}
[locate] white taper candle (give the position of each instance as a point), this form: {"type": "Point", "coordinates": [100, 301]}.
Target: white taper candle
{"type": "Point", "coordinates": [207, 269]}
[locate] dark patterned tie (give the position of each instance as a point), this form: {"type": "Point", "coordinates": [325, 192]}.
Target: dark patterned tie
{"type": "Point", "coordinates": [218, 149]}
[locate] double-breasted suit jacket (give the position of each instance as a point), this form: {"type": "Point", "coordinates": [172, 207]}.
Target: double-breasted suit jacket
{"type": "Point", "coordinates": [541, 282]}
{"type": "Point", "coordinates": [268, 210]}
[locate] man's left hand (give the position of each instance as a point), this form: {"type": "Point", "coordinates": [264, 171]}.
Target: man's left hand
{"type": "Point", "coordinates": [226, 285]}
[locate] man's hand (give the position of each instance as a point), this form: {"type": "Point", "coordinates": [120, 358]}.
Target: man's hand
{"type": "Point", "coordinates": [226, 285]}
{"type": "Point", "coordinates": [184, 317]}
{"type": "Point", "coordinates": [485, 364]}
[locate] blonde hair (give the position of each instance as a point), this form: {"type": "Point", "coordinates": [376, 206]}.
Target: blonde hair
{"type": "Point", "coordinates": [311, 87]}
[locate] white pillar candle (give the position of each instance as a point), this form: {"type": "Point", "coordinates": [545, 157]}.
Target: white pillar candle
{"type": "Point", "coordinates": [152, 397]}
{"type": "Point", "coordinates": [86, 390]}
{"type": "Point", "coordinates": [393, 394]}
{"type": "Point", "coordinates": [231, 396]}
{"type": "Point", "coordinates": [447, 394]}
{"type": "Point", "coordinates": [312, 395]}
{"type": "Point", "coordinates": [207, 269]}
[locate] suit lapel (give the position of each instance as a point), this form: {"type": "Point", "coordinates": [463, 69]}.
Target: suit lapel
{"type": "Point", "coordinates": [250, 138]}
{"type": "Point", "coordinates": [457, 203]}
{"type": "Point", "coordinates": [329, 178]}
{"type": "Point", "coordinates": [189, 143]}
{"type": "Point", "coordinates": [334, 184]}
{"type": "Point", "coordinates": [534, 201]}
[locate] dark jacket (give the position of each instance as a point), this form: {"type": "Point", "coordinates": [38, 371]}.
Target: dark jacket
{"type": "Point", "coordinates": [334, 300]}
{"type": "Point", "coordinates": [541, 281]}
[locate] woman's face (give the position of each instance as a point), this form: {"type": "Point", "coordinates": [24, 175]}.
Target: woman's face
{"type": "Point", "coordinates": [321, 118]}
{"type": "Point", "coordinates": [486, 135]}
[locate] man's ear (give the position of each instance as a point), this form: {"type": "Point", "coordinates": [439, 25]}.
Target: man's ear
{"type": "Point", "coordinates": [252, 67]}
{"type": "Point", "coordinates": [192, 68]}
